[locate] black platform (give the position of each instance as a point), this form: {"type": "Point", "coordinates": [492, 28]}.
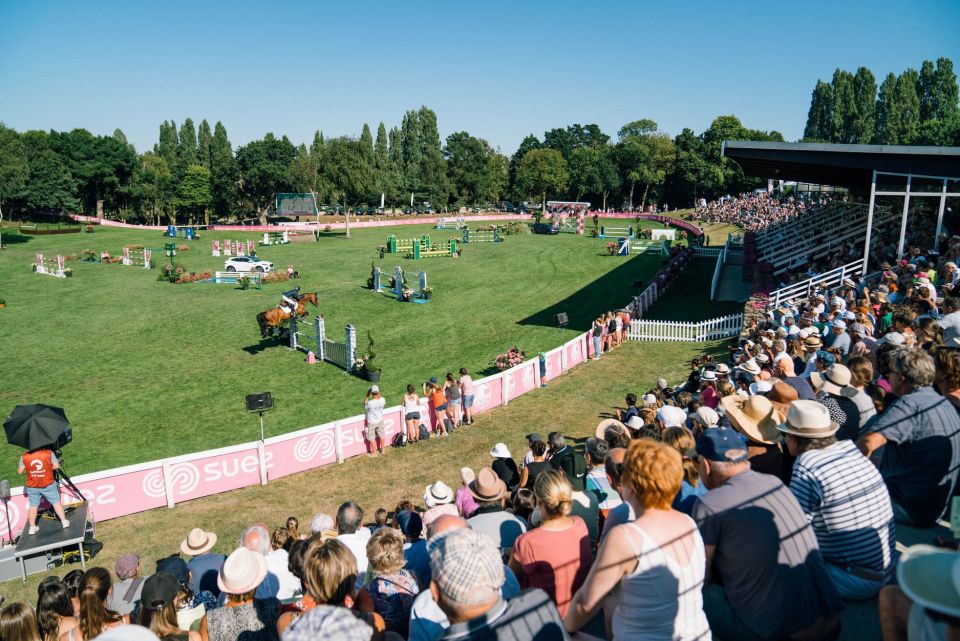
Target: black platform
{"type": "Point", "coordinates": [52, 536]}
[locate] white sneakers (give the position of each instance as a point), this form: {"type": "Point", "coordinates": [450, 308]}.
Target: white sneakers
{"type": "Point", "coordinates": [33, 530]}
{"type": "Point", "coordinates": [66, 524]}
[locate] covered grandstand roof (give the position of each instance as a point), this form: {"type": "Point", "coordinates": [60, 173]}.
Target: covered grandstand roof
{"type": "Point", "coordinates": [840, 165]}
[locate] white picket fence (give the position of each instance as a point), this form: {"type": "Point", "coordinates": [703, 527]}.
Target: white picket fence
{"type": "Point", "coordinates": [708, 330]}
{"type": "Point", "coordinates": [707, 252]}
{"type": "Point", "coordinates": [645, 300]}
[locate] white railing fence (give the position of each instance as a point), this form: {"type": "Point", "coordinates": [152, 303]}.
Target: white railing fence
{"type": "Point", "coordinates": [707, 252]}
{"type": "Point", "coordinates": [691, 332]}
{"type": "Point", "coordinates": [645, 300]}
{"type": "Point", "coordinates": [718, 271]}
{"type": "Point", "coordinates": [830, 279]}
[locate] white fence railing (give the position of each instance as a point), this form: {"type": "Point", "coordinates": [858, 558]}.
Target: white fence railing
{"type": "Point", "coordinates": [643, 302]}
{"type": "Point", "coordinates": [830, 279]}
{"type": "Point", "coordinates": [718, 271]}
{"type": "Point", "coordinates": [708, 330]}
{"type": "Point", "coordinates": [707, 252]}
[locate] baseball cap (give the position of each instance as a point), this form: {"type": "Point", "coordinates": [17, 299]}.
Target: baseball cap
{"type": "Point", "coordinates": [159, 590]}
{"type": "Point", "coordinates": [466, 566]}
{"type": "Point", "coordinates": [174, 566]}
{"type": "Point", "coordinates": [410, 523]}
{"type": "Point", "coordinates": [374, 389]}
{"type": "Point", "coordinates": [126, 566]}
{"type": "Point", "coordinates": [533, 437]}
{"type": "Point", "coordinates": [722, 444]}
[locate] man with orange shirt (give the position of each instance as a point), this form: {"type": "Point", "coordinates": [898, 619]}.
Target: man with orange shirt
{"type": "Point", "coordinates": [39, 466]}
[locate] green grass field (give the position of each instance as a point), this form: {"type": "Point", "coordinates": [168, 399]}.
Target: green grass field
{"type": "Point", "coordinates": [147, 369]}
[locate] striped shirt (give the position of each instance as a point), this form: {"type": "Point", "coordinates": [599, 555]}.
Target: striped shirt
{"type": "Point", "coordinates": [845, 499]}
{"type": "Point", "coordinates": [599, 484]}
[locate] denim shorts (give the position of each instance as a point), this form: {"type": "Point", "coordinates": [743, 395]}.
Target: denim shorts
{"type": "Point", "coordinates": [468, 400]}
{"type": "Point", "coordinates": [440, 408]}
{"type": "Point", "coordinates": [455, 402]}
{"type": "Point", "coordinates": [412, 416]}
{"type": "Point", "coordinates": [51, 493]}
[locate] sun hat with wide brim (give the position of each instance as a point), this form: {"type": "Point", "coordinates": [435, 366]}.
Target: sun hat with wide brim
{"type": "Point", "coordinates": [750, 367]}
{"type": "Point", "coordinates": [610, 422]}
{"type": "Point", "coordinates": [242, 572]}
{"type": "Point", "coordinates": [500, 451]}
{"type": "Point", "coordinates": [754, 417]}
{"type": "Point", "coordinates": [930, 576]}
{"type": "Point", "coordinates": [808, 419]}
{"type": "Point", "coordinates": [487, 486]}
{"type": "Point", "coordinates": [834, 380]}
{"type": "Point", "coordinates": [198, 542]}
{"type": "Point", "coordinates": [437, 494]}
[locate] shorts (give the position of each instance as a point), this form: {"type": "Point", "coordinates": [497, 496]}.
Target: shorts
{"type": "Point", "coordinates": [455, 402]}
{"type": "Point", "coordinates": [51, 493]}
{"type": "Point", "coordinates": [468, 400]}
{"type": "Point", "coordinates": [412, 416]}
{"type": "Point", "coordinates": [440, 408]}
{"type": "Point", "coordinates": [372, 430]}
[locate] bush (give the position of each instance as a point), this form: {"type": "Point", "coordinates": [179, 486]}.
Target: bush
{"type": "Point", "coordinates": [515, 227]}
{"type": "Point", "coordinates": [89, 229]}
{"type": "Point", "coordinates": [278, 276]}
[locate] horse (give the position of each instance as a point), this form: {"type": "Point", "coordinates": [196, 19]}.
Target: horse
{"type": "Point", "coordinates": [274, 316]}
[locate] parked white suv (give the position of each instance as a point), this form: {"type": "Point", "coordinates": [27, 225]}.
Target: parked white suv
{"type": "Point", "coordinates": [247, 264]}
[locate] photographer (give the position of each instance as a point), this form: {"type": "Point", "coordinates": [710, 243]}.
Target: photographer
{"type": "Point", "coordinates": [373, 405]}
{"type": "Point", "coordinates": [40, 465]}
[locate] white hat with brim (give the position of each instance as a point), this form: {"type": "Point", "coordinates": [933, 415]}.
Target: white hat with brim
{"type": "Point", "coordinates": [635, 422]}
{"type": "Point", "coordinates": [242, 572]}
{"type": "Point", "coordinates": [754, 417]}
{"type": "Point", "coordinates": [751, 367]}
{"type": "Point", "coordinates": [671, 416]}
{"type": "Point", "coordinates": [708, 375]}
{"type": "Point", "coordinates": [930, 576]}
{"type": "Point", "coordinates": [500, 451]}
{"type": "Point", "coordinates": [892, 338]}
{"type": "Point", "coordinates": [437, 494]}
{"type": "Point", "coordinates": [198, 542]}
{"type": "Point", "coordinates": [834, 380]}
{"type": "Point", "coordinates": [608, 423]}
{"type": "Point", "coordinates": [808, 419]}
{"type": "Point", "coordinates": [706, 416]}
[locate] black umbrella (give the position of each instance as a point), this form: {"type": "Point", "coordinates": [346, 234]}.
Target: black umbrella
{"type": "Point", "coordinates": [33, 426]}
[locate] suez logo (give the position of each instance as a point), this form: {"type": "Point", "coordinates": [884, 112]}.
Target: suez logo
{"type": "Point", "coordinates": [184, 478]}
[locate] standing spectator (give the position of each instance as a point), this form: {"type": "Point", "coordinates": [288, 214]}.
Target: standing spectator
{"type": "Point", "coordinates": [350, 532]}
{"type": "Point", "coordinates": [242, 615]}
{"type": "Point", "coordinates": [554, 557]}
{"type": "Point", "coordinates": [835, 392]}
{"type": "Point", "coordinates": [18, 622]}
{"type": "Point", "coordinates": [596, 336]}
{"type": "Point", "coordinates": [467, 390]}
{"type": "Point", "coordinates": [438, 401]}
{"type": "Point", "coordinates": [278, 565]}
{"type": "Point", "coordinates": [464, 500]}
{"type": "Point", "coordinates": [468, 575]}
{"type": "Point", "coordinates": [391, 587]}
{"type": "Point", "coordinates": [373, 405]}
{"type": "Point", "coordinates": [411, 414]}
{"type": "Point", "coordinates": [505, 466]}
{"type": "Point", "coordinates": [566, 459]}
{"type": "Point", "coordinates": [844, 497]}
{"type": "Point", "coordinates": [536, 466]}
{"type": "Point", "coordinates": [439, 500]}
{"type": "Point", "coordinates": [454, 394]}
{"type": "Point", "coordinates": [490, 517]}
{"type": "Point", "coordinates": [94, 616]}
{"type": "Point", "coordinates": [774, 582]}
{"type": "Point", "coordinates": [920, 436]}
{"type": "Point", "coordinates": [55, 616]}
{"type": "Point", "coordinates": [40, 466]}
{"type": "Point", "coordinates": [125, 593]}
{"type": "Point", "coordinates": [657, 560]}
{"type": "Point", "coordinates": [838, 337]}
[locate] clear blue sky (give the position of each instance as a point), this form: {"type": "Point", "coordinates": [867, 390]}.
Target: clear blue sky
{"type": "Point", "coordinates": [499, 70]}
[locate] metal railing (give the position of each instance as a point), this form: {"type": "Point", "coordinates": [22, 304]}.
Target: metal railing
{"type": "Point", "coordinates": [830, 279]}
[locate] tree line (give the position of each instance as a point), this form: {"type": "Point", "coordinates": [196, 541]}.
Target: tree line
{"type": "Point", "coordinates": [913, 108]}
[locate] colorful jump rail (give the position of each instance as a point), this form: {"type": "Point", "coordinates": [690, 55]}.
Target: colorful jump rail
{"type": "Point", "coordinates": [167, 482]}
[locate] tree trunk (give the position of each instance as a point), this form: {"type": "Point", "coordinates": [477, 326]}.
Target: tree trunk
{"type": "Point", "coordinates": [632, 183]}
{"type": "Point", "coordinates": [643, 203]}
{"type": "Point", "coordinates": [604, 201]}
{"type": "Point", "coordinates": [346, 216]}
{"type": "Point", "coordinates": [543, 205]}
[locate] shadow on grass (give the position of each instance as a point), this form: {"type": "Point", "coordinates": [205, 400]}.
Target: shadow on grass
{"type": "Point", "coordinates": [13, 238]}
{"type": "Point", "coordinates": [283, 340]}
{"type": "Point", "coordinates": [609, 292]}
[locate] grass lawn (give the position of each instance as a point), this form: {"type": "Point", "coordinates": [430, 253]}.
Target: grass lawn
{"type": "Point", "coordinates": [147, 370]}
{"type": "Point", "coordinates": [689, 299]}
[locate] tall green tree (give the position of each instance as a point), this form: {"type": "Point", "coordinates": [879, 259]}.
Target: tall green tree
{"type": "Point", "coordinates": [204, 140]}
{"type": "Point", "coordinates": [384, 176]}
{"type": "Point", "coordinates": [154, 182]}
{"type": "Point", "coordinates": [593, 170]}
{"type": "Point", "coordinates": [14, 169]}
{"type": "Point", "coordinates": [166, 146]}
{"type": "Point", "coordinates": [865, 99]}
{"type": "Point", "coordinates": [186, 147]}
{"type": "Point", "coordinates": [100, 165]}
{"type": "Point", "coordinates": [926, 80]}
{"type": "Point", "coordinates": [820, 117]}
{"type": "Point", "coordinates": [395, 183]}
{"type": "Point", "coordinates": [466, 167]}
{"type": "Point", "coordinates": [49, 184]}
{"type": "Point", "coordinates": [412, 151]}
{"type": "Point", "coordinates": [223, 173]}
{"type": "Point", "coordinates": [528, 143]}
{"type": "Point", "coordinates": [264, 170]}
{"type": "Point", "coordinates": [433, 169]}
{"type": "Point", "coordinates": [346, 171]}
{"type": "Point", "coordinates": [542, 172]}
{"type": "Point", "coordinates": [645, 155]}
{"type": "Point", "coordinates": [193, 194]}
{"type": "Point", "coordinates": [908, 106]}
{"type": "Point", "coordinates": [304, 172]}
{"type": "Point", "coordinates": [946, 94]}
{"type": "Point", "coordinates": [888, 116]}
{"type": "Point", "coordinates": [844, 107]}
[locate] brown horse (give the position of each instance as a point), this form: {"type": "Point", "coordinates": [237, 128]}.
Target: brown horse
{"type": "Point", "coordinates": [274, 316]}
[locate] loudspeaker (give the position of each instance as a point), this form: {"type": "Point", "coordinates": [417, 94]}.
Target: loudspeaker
{"type": "Point", "coordinates": [561, 319]}
{"type": "Point", "coordinates": [259, 402]}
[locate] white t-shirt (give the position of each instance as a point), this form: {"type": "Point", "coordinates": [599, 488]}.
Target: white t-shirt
{"type": "Point", "coordinates": [467, 383]}
{"type": "Point", "coordinates": [374, 407]}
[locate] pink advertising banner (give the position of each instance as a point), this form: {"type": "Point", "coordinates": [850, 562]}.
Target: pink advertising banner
{"type": "Point", "coordinates": [302, 451]}
{"type": "Point", "coordinates": [554, 365]}
{"type": "Point", "coordinates": [576, 351]}
{"type": "Point", "coordinates": [214, 472]}
{"type": "Point", "coordinates": [520, 379]}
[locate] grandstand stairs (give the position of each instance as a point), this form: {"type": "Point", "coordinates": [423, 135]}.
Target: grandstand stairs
{"type": "Point", "coordinates": [732, 287]}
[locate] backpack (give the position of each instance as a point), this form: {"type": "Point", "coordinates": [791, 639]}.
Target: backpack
{"type": "Point", "coordinates": [424, 432]}
{"type": "Point", "coordinates": [399, 440]}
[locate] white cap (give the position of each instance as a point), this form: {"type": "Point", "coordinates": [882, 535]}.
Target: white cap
{"type": "Point", "coordinates": [839, 324]}
{"type": "Point", "coordinates": [374, 389]}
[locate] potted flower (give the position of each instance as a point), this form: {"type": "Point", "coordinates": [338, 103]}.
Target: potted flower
{"type": "Point", "coordinates": [89, 229]}
{"type": "Point", "coordinates": [426, 293]}
{"type": "Point", "coordinates": [612, 249]}
{"type": "Point", "coordinates": [88, 256]}
{"type": "Point", "coordinates": [366, 365]}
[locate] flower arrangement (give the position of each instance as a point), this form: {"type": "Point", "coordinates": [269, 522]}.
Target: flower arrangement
{"type": "Point", "coordinates": [326, 228]}
{"type": "Point", "coordinates": [364, 364]}
{"type": "Point", "coordinates": [612, 249]}
{"type": "Point", "coordinates": [511, 358]}
{"type": "Point", "coordinates": [275, 277]}
{"type": "Point", "coordinates": [89, 229]}
{"type": "Point", "coordinates": [515, 227]}
{"type": "Point", "coordinates": [426, 292]}
{"type": "Point", "coordinates": [88, 255]}
{"type": "Point", "coordinates": [595, 232]}
{"type": "Point", "coordinates": [183, 248]}
{"type": "Point", "coordinates": [645, 233]}
{"type": "Point", "coordinates": [381, 249]}
{"type": "Point", "coordinates": [244, 282]}
{"type": "Point", "coordinates": [178, 275]}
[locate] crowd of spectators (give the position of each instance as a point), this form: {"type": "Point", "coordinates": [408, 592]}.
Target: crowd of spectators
{"type": "Point", "coordinates": [755, 211]}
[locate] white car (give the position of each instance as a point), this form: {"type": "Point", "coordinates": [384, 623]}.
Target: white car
{"type": "Point", "coordinates": [247, 264]}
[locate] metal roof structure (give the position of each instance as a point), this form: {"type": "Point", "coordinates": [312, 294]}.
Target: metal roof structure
{"type": "Point", "coordinates": [840, 165]}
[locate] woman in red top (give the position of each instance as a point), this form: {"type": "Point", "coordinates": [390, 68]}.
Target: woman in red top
{"type": "Point", "coordinates": [555, 556]}
{"type": "Point", "coordinates": [438, 401]}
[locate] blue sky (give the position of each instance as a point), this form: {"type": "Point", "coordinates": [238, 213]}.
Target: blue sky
{"type": "Point", "coordinates": [499, 70]}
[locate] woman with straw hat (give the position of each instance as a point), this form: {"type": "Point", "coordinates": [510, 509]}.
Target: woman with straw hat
{"type": "Point", "coordinates": [241, 615]}
{"type": "Point", "coordinates": [756, 418]}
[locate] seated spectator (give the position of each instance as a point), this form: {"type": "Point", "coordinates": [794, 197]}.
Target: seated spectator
{"type": "Point", "coordinates": [773, 583]}
{"type": "Point", "coordinates": [467, 578]}
{"type": "Point", "coordinates": [71, 581]}
{"type": "Point", "coordinates": [657, 560]}
{"type": "Point", "coordinates": [439, 500]}
{"type": "Point", "coordinates": [322, 525]}
{"type": "Point", "coordinates": [844, 497]}
{"type": "Point", "coordinates": [835, 392]}
{"type": "Point", "coordinates": [704, 418]}
{"type": "Point", "coordinates": [379, 520]}
{"type": "Point", "coordinates": [757, 420]}
{"type": "Point", "coordinates": [54, 611]}
{"type": "Point", "coordinates": [158, 608]}
{"type": "Point", "coordinates": [242, 614]}
{"type": "Point", "coordinates": [532, 438]}
{"type": "Point", "coordinates": [681, 439]}
{"type": "Point", "coordinates": [597, 482]}
{"type": "Point", "coordinates": [465, 502]}
{"type": "Point", "coordinates": [920, 437]}
{"type": "Point", "coordinates": [924, 605]}
{"type": "Point", "coordinates": [708, 389]}
{"type": "Point", "coordinates": [293, 529]}
{"type": "Point", "coordinates": [524, 503]}
{"type": "Point", "coordinates": [554, 557]}
{"type": "Point", "coordinates": [670, 416]}
{"type": "Point", "coordinates": [505, 466]}
{"type": "Point", "coordinates": [414, 548]}
{"type": "Point", "coordinates": [391, 587]}
{"type": "Point", "coordinates": [490, 517]}
{"type": "Point", "coordinates": [191, 606]}
{"type": "Point", "coordinates": [537, 465]}
{"type": "Point", "coordinates": [94, 617]}
{"type": "Point", "coordinates": [861, 375]}
{"type": "Point", "coordinates": [277, 565]}
{"type": "Point", "coordinates": [257, 539]}
{"type": "Point", "coordinates": [125, 593]}
{"type": "Point", "coordinates": [351, 534]}
{"type": "Point", "coordinates": [785, 372]}
{"type": "Point", "coordinates": [330, 622]}
{"type": "Point", "coordinates": [567, 460]}
{"type": "Point", "coordinates": [624, 415]}
{"type": "Point", "coordinates": [204, 565]}
{"type": "Point", "coordinates": [18, 622]}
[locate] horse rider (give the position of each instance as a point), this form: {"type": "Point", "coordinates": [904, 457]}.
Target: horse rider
{"type": "Point", "coordinates": [289, 300]}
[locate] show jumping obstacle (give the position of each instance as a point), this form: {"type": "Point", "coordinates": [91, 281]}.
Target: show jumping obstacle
{"type": "Point", "coordinates": [445, 223]}
{"type": "Point", "coordinates": [342, 354]}
{"type": "Point", "coordinates": [626, 246]}
{"type": "Point", "coordinates": [396, 246]}
{"type": "Point", "coordinates": [615, 232]}
{"type": "Point", "coordinates": [50, 266]}
{"type": "Point", "coordinates": [481, 236]}
{"type": "Point", "coordinates": [448, 249]}
{"type": "Point", "coordinates": [137, 257]}
{"type": "Point", "coordinates": [233, 247]}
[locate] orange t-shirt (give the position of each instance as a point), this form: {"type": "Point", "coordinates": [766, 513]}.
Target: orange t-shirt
{"type": "Point", "coordinates": [39, 468]}
{"type": "Point", "coordinates": [555, 561]}
{"type": "Point", "coordinates": [437, 397]}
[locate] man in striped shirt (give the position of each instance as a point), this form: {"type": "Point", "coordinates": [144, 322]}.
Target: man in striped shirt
{"type": "Point", "coordinates": [844, 497]}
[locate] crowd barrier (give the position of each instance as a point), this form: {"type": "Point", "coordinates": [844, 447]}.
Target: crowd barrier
{"type": "Point", "coordinates": [168, 482]}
